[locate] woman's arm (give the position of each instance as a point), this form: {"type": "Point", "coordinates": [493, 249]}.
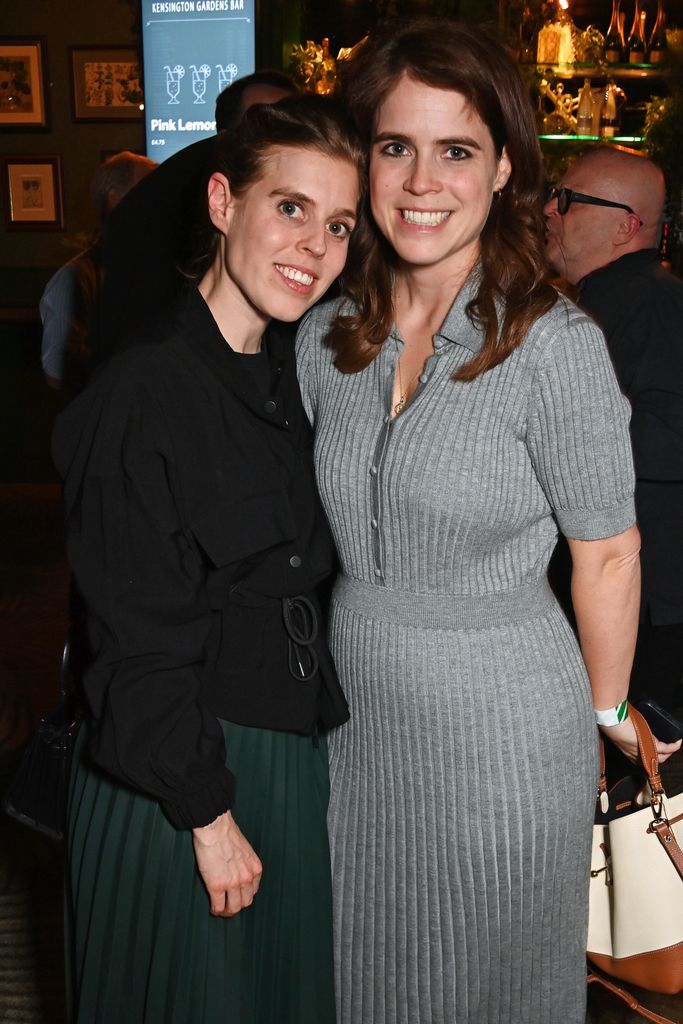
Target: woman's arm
{"type": "Point", "coordinates": [606, 598]}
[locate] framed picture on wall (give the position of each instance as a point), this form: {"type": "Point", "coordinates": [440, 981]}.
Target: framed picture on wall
{"type": "Point", "coordinates": [22, 83]}
{"type": "Point", "coordinates": [32, 192]}
{"type": "Point", "coordinates": [106, 83]}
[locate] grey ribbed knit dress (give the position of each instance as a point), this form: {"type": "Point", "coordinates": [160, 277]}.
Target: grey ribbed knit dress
{"type": "Point", "coordinates": [463, 788]}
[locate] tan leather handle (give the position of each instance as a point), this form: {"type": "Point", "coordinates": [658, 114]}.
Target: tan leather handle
{"type": "Point", "coordinates": [662, 829]}
{"type": "Point", "coordinates": [602, 783]}
{"type": "Point", "coordinates": [647, 750]}
{"type": "Point", "coordinates": [628, 998]}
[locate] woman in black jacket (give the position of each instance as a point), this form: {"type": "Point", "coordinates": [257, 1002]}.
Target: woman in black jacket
{"type": "Point", "coordinates": [197, 540]}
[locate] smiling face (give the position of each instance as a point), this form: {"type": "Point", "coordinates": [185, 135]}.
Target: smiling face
{"type": "Point", "coordinates": [285, 239]}
{"type": "Point", "coordinates": [433, 172]}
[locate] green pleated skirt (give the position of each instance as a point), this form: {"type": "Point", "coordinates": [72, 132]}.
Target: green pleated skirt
{"type": "Point", "coordinates": [143, 948]}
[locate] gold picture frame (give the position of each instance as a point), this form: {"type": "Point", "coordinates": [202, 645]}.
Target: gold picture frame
{"type": "Point", "coordinates": [22, 84]}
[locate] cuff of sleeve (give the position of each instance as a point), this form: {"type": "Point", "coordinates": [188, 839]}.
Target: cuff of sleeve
{"type": "Point", "coordinates": [596, 524]}
{"type": "Point", "coordinates": [201, 807]}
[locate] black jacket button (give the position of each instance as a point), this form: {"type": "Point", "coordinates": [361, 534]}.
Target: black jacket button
{"type": "Point", "coordinates": [295, 562]}
{"type": "Point", "coordinates": [270, 406]}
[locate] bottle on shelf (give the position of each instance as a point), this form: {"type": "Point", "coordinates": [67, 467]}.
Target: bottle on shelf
{"type": "Point", "coordinates": [614, 40]}
{"type": "Point", "coordinates": [665, 242]}
{"type": "Point", "coordinates": [613, 99]}
{"type": "Point", "coordinates": [584, 110]}
{"type": "Point", "coordinates": [658, 44]}
{"type": "Point", "coordinates": [635, 44]}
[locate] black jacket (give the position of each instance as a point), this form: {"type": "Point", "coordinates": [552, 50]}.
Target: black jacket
{"type": "Point", "coordinates": [191, 513]}
{"type": "Point", "coordinates": [639, 306]}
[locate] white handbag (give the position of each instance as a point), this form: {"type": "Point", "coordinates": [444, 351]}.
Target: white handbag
{"type": "Point", "coordinates": [636, 889]}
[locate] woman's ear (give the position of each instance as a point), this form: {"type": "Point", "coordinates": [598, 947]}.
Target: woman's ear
{"type": "Point", "coordinates": [219, 202]}
{"type": "Point", "coordinates": [504, 171]}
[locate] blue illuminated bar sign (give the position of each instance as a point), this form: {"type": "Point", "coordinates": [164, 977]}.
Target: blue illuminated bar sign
{"type": "Point", "coordinates": [192, 50]}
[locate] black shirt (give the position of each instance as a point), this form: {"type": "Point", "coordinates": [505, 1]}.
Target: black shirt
{"type": "Point", "coordinates": [192, 523]}
{"type": "Point", "coordinates": [639, 306]}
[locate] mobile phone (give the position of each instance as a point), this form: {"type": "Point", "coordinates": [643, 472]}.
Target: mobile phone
{"type": "Point", "coordinates": [665, 726]}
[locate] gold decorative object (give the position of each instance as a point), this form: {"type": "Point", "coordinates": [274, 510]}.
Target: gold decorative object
{"type": "Point", "coordinates": [561, 121]}
{"type": "Point", "coordinates": [313, 67]}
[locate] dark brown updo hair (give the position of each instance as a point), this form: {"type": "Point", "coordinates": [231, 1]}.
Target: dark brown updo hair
{"type": "Point", "coordinates": [446, 54]}
{"type": "Point", "coordinates": [296, 122]}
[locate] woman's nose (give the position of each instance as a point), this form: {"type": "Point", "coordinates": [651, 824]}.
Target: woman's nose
{"type": "Point", "coordinates": [422, 177]}
{"type": "Point", "coordinates": [315, 242]}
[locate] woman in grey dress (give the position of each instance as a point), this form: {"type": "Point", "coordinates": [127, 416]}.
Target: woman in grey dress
{"type": "Point", "coordinates": [463, 411]}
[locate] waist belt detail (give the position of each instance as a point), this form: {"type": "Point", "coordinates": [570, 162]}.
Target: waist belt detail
{"type": "Point", "coordinates": [444, 611]}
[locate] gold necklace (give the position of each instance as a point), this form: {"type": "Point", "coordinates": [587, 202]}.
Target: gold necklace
{"type": "Point", "coordinates": [403, 395]}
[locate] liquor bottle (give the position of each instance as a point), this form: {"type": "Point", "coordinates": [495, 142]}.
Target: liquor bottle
{"type": "Point", "coordinates": [657, 50]}
{"type": "Point", "coordinates": [613, 99]}
{"type": "Point", "coordinates": [584, 111]}
{"type": "Point", "coordinates": [665, 242]}
{"type": "Point", "coordinates": [635, 44]}
{"type": "Point", "coordinates": [614, 43]}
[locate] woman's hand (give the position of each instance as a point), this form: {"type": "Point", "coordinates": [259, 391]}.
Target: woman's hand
{"type": "Point", "coordinates": [624, 737]}
{"type": "Point", "coordinates": [230, 869]}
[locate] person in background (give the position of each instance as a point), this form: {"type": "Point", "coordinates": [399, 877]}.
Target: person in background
{"type": "Point", "coordinates": [67, 302]}
{"type": "Point", "coordinates": [462, 411]}
{"type": "Point", "coordinates": [603, 230]}
{"type": "Point", "coordinates": [196, 538]}
{"type": "Point", "coordinates": [152, 236]}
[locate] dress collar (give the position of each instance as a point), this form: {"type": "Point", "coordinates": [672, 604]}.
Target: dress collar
{"type": "Point", "coordinates": [458, 327]}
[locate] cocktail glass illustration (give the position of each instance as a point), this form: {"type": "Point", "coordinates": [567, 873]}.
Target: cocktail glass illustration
{"type": "Point", "coordinates": [199, 77]}
{"type": "Point", "coordinates": [227, 73]}
{"type": "Point", "coordinates": [173, 76]}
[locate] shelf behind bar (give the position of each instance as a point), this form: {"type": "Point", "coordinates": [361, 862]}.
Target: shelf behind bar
{"type": "Point", "coordinates": [593, 138]}
{"type": "Point", "coordinates": [603, 70]}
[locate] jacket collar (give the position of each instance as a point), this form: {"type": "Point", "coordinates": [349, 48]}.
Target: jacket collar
{"type": "Point", "coordinates": [198, 331]}
{"type": "Point", "coordinates": [630, 261]}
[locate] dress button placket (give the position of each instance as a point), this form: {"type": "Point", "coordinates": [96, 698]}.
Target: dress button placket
{"type": "Point", "coordinates": [376, 468]}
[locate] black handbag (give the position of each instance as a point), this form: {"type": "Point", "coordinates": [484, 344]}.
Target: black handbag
{"type": "Point", "coordinates": [37, 795]}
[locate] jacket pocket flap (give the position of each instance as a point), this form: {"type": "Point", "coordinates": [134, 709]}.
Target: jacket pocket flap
{"type": "Point", "coordinates": [231, 531]}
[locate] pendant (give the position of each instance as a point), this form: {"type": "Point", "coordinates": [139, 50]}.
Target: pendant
{"type": "Point", "coordinates": [400, 405]}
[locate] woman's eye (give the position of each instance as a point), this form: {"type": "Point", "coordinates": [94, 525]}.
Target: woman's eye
{"type": "Point", "coordinates": [289, 208]}
{"type": "Point", "coordinates": [394, 149]}
{"type": "Point", "coordinates": [339, 229]}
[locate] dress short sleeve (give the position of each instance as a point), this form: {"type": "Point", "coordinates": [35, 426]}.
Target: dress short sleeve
{"type": "Point", "coordinates": [578, 435]}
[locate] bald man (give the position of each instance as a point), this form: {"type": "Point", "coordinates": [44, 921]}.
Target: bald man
{"type": "Point", "coordinates": [603, 229]}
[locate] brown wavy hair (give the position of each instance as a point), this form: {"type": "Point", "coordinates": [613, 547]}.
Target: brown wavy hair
{"type": "Point", "coordinates": [514, 277]}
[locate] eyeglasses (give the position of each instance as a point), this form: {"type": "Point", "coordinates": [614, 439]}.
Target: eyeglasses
{"type": "Point", "coordinates": [565, 197]}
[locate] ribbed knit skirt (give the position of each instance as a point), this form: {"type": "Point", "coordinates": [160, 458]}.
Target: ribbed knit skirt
{"type": "Point", "coordinates": [142, 945]}
{"type": "Point", "coordinates": [463, 790]}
